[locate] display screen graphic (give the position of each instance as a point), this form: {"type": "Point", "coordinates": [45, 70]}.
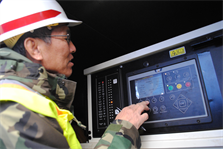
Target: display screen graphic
{"type": "Point", "coordinates": [149, 86]}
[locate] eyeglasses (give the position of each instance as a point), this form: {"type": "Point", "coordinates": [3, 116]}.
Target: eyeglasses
{"type": "Point", "coordinates": [68, 39]}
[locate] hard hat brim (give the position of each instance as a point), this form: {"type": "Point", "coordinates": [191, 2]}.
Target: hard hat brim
{"type": "Point", "coordinates": [30, 27]}
{"type": "Point", "coordinates": [33, 15]}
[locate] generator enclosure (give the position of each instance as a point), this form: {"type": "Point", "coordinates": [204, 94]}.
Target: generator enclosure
{"type": "Point", "coordinates": [180, 77]}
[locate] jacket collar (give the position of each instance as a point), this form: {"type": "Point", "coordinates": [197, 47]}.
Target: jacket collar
{"type": "Point", "coordinates": [55, 86]}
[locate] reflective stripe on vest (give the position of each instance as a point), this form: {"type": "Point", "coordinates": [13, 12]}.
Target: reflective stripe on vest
{"type": "Point", "coordinates": [21, 95]}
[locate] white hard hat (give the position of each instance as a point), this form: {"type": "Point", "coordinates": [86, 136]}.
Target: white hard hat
{"type": "Point", "coordinates": [20, 16]}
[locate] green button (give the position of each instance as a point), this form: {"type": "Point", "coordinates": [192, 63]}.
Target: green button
{"type": "Point", "coordinates": [170, 88]}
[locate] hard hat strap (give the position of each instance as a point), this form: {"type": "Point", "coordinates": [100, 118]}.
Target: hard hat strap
{"type": "Point", "coordinates": [12, 41]}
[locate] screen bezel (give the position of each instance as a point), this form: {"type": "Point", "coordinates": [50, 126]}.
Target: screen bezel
{"type": "Point", "coordinates": [175, 122]}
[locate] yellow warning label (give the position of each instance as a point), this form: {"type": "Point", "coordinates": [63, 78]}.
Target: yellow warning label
{"type": "Point", "coordinates": [177, 52]}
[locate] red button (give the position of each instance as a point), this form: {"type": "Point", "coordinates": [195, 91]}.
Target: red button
{"type": "Point", "coordinates": [188, 84]}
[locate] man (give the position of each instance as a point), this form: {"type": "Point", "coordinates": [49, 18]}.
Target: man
{"type": "Point", "coordinates": [35, 96]}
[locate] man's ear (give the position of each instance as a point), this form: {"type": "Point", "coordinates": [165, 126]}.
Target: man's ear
{"type": "Point", "coordinates": [33, 49]}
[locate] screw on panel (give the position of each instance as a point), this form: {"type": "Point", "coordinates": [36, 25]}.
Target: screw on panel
{"type": "Point", "coordinates": [145, 64]}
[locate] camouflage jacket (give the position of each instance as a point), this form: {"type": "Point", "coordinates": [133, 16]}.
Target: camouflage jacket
{"type": "Point", "coordinates": [20, 127]}
{"type": "Point", "coordinates": [120, 135]}
{"type": "Point", "coordinates": [28, 129]}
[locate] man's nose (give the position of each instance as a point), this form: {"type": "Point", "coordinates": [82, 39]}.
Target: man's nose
{"type": "Point", "coordinates": [72, 47]}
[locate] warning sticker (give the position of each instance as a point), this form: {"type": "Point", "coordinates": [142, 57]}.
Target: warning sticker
{"type": "Point", "coordinates": [177, 52]}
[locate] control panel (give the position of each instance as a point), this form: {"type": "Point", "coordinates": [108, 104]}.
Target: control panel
{"type": "Point", "coordinates": [174, 92]}
{"type": "Point", "coordinates": [107, 101]}
{"type": "Point", "coordinates": [182, 84]}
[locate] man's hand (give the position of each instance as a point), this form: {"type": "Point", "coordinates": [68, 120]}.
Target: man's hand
{"type": "Point", "coordinates": [133, 114]}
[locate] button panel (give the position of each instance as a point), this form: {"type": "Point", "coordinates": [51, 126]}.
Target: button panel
{"type": "Point", "coordinates": [110, 100]}
{"type": "Point", "coordinates": [107, 100]}
{"type": "Point", "coordinates": [175, 93]}
{"type": "Point", "coordinates": [181, 79]}
{"type": "Point", "coordinates": [101, 106]}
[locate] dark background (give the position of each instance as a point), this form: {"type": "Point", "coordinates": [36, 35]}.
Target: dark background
{"type": "Point", "coordinates": [113, 28]}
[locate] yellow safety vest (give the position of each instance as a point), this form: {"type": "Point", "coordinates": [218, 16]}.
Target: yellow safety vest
{"type": "Point", "coordinates": [41, 105]}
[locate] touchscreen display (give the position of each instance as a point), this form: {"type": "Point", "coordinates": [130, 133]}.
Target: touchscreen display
{"type": "Point", "coordinates": [149, 86]}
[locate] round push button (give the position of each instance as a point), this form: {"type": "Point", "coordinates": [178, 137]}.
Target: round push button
{"type": "Point", "coordinates": [169, 78]}
{"type": "Point", "coordinates": [155, 110]}
{"type": "Point", "coordinates": [170, 87]}
{"type": "Point", "coordinates": [186, 74]}
{"type": "Point", "coordinates": [154, 100]}
{"type": "Point", "coordinates": [187, 84]}
{"type": "Point", "coordinates": [172, 97]}
{"type": "Point", "coordinates": [177, 76]}
{"type": "Point", "coordinates": [161, 99]}
{"type": "Point", "coordinates": [179, 86]}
